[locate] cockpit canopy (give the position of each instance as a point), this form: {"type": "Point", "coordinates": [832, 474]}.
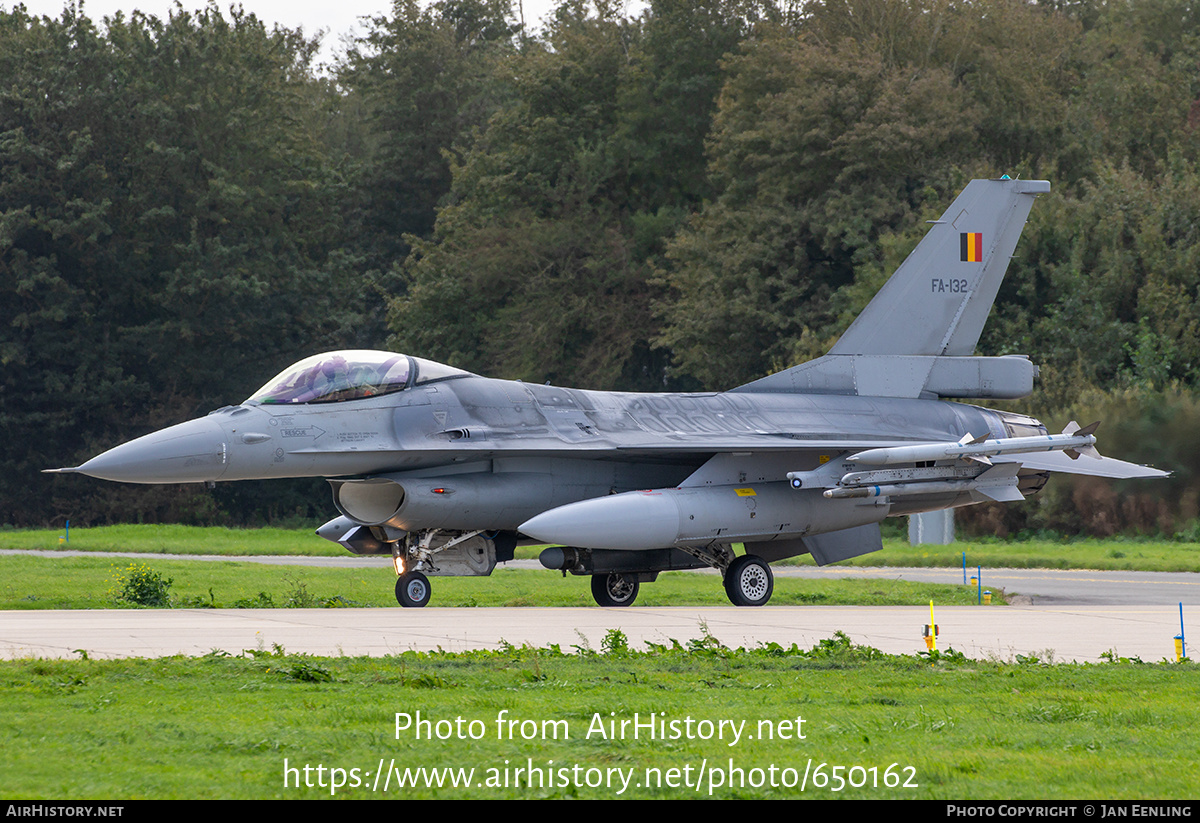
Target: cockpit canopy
{"type": "Point", "coordinates": [349, 375]}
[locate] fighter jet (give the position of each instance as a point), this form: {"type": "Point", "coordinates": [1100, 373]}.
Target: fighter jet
{"type": "Point", "coordinates": [448, 471]}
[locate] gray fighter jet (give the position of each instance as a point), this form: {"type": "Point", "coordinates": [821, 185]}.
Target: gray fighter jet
{"type": "Point", "coordinates": [447, 471]}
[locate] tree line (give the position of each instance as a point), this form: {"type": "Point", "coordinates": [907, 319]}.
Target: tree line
{"type": "Point", "coordinates": [685, 199]}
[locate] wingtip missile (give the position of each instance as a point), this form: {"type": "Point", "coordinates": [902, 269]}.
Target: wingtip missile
{"type": "Point", "coordinates": [980, 449]}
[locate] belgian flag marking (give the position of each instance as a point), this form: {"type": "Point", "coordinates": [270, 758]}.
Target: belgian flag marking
{"type": "Point", "coordinates": [970, 245]}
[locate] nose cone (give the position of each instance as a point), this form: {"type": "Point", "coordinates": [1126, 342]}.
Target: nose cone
{"type": "Point", "coordinates": [190, 452]}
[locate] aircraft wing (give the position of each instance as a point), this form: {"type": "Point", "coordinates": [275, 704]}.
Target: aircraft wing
{"type": "Point", "coordinates": [1053, 461]}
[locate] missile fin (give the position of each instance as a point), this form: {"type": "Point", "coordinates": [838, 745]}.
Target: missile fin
{"type": "Point", "coordinates": [1001, 494]}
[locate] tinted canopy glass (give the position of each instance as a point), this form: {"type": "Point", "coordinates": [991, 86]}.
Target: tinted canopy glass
{"type": "Point", "coordinates": [336, 376]}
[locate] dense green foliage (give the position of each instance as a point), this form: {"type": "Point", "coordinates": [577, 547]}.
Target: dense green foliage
{"type": "Point", "coordinates": [689, 198]}
{"type": "Point", "coordinates": [164, 236]}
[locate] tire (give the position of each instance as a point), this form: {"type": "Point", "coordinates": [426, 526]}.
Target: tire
{"type": "Point", "coordinates": [614, 590]}
{"type": "Point", "coordinates": [749, 581]}
{"type": "Point", "coordinates": [413, 590]}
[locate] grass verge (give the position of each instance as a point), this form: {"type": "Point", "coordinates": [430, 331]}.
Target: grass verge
{"type": "Point", "coordinates": [40, 582]}
{"type": "Point", "coordinates": [836, 720]}
{"type": "Point", "coordinates": [174, 539]}
{"type": "Point", "coordinates": [1115, 554]}
{"type": "Point", "coordinates": [1112, 554]}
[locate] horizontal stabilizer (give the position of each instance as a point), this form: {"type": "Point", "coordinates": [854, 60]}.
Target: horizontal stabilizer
{"type": "Point", "coordinates": [1100, 467]}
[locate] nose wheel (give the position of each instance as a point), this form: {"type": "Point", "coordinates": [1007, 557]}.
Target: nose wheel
{"type": "Point", "coordinates": [749, 581]}
{"type": "Point", "coordinates": [413, 590]}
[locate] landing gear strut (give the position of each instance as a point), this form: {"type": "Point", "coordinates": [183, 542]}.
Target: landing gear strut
{"type": "Point", "coordinates": [437, 552]}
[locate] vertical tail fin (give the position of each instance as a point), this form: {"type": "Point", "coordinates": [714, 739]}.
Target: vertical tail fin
{"type": "Point", "coordinates": [938, 300]}
{"type": "Point", "coordinates": [917, 335]}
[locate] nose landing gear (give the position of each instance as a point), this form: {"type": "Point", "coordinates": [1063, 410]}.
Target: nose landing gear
{"type": "Point", "coordinates": [413, 590]}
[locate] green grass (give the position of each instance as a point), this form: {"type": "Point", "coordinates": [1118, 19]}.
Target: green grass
{"type": "Point", "coordinates": [1116, 554]}
{"type": "Point", "coordinates": [172, 539]}
{"type": "Point", "coordinates": [38, 582]}
{"type": "Point", "coordinates": [1113, 554]}
{"type": "Point", "coordinates": [223, 726]}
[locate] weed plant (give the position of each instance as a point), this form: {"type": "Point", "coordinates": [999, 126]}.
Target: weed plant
{"type": "Point", "coordinates": [140, 585]}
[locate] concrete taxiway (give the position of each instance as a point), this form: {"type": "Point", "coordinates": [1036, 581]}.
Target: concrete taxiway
{"type": "Point", "coordinates": [1051, 633]}
{"type": "Point", "coordinates": [1065, 615]}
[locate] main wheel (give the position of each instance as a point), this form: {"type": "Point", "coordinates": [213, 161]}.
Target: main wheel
{"type": "Point", "coordinates": [614, 589]}
{"type": "Point", "coordinates": [412, 590]}
{"type": "Point", "coordinates": [749, 581]}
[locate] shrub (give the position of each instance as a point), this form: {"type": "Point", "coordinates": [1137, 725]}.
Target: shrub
{"type": "Point", "coordinates": [141, 585]}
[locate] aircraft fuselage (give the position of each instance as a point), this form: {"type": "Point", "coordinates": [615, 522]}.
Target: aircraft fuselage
{"type": "Point", "coordinates": [458, 423]}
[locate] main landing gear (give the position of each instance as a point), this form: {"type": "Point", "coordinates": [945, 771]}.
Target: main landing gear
{"type": "Point", "coordinates": [748, 578]}
{"type": "Point", "coordinates": [748, 582]}
{"type": "Point", "coordinates": [614, 589]}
